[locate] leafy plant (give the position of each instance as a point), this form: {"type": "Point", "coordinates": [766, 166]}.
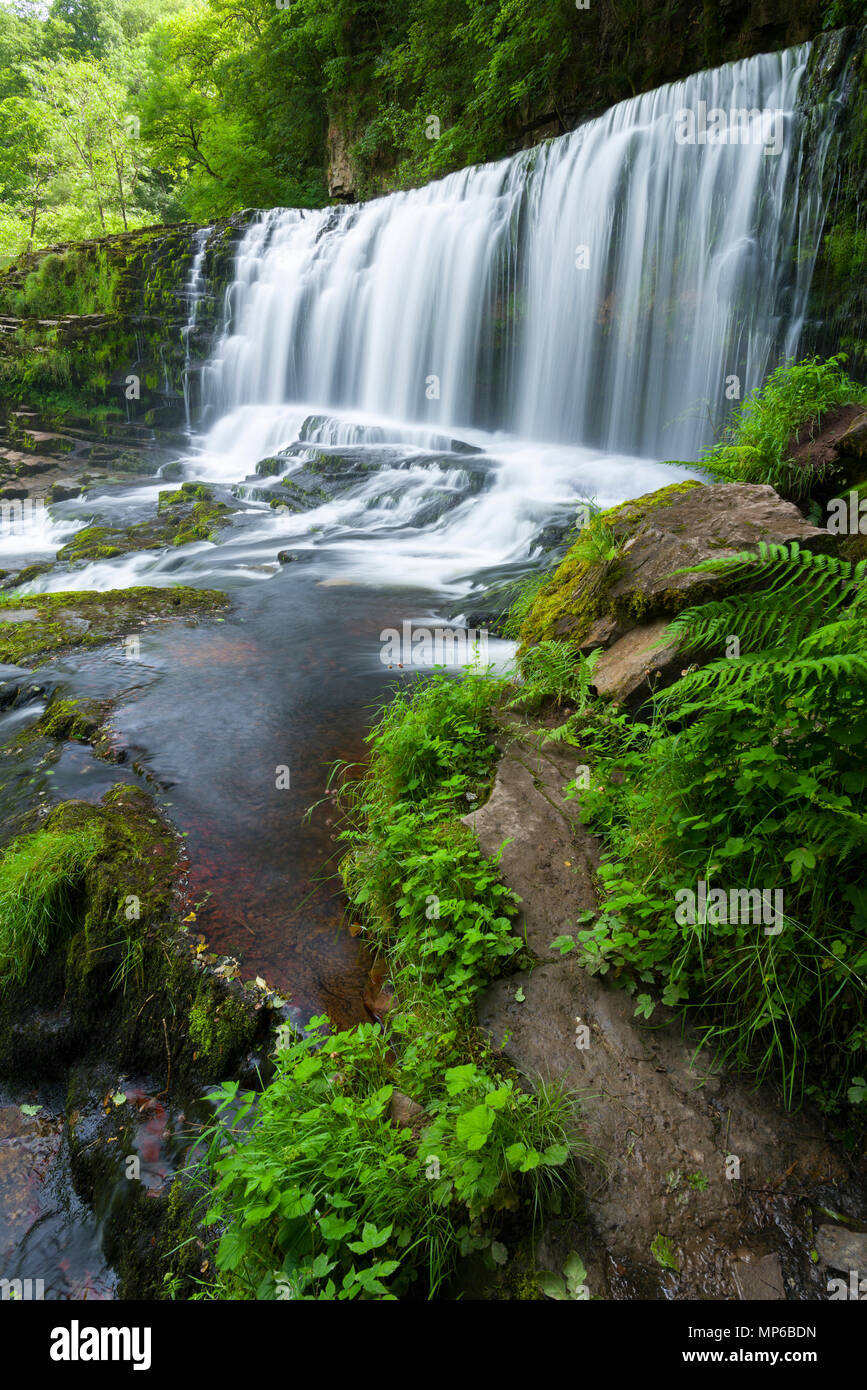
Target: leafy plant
{"type": "Point", "coordinates": [40, 875]}
{"type": "Point", "coordinates": [788, 408]}
{"type": "Point", "coordinates": [554, 672]}
{"type": "Point", "coordinates": [570, 1286]}
{"type": "Point", "coordinates": [751, 776]}
{"type": "Point", "coordinates": [664, 1253]}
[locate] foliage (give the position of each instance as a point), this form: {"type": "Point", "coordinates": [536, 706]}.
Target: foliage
{"type": "Point", "coordinates": [751, 775]}
{"type": "Point", "coordinates": [40, 875]}
{"type": "Point", "coordinates": [320, 1192]}
{"type": "Point", "coordinates": [786, 411]}
{"type": "Point", "coordinates": [324, 1196]}
{"type": "Point", "coordinates": [568, 1286]}
{"type": "Point", "coordinates": [554, 672]}
{"type": "Point", "coordinates": [62, 285]}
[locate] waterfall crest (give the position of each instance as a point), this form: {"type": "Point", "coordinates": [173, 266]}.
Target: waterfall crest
{"type": "Point", "coordinates": [599, 290]}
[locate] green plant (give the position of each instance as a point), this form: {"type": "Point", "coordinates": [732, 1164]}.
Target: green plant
{"type": "Point", "coordinates": [569, 1286]}
{"type": "Point", "coordinates": [521, 598]}
{"type": "Point", "coordinates": [751, 778]}
{"type": "Point", "coordinates": [322, 1194]}
{"type": "Point", "coordinates": [554, 672]}
{"type": "Point", "coordinates": [40, 876]}
{"type": "Point", "coordinates": [664, 1253]}
{"type": "Point", "coordinates": [787, 410]}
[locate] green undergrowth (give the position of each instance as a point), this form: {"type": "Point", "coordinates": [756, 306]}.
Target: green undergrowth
{"type": "Point", "coordinates": [65, 284]}
{"type": "Point", "coordinates": [41, 876]}
{"type": "Point", "coordinates": [375, 1159]}
{"type": "Point", "coordinates": [748, 775]}
{"type": "Point", "coordinates": [787, 411]}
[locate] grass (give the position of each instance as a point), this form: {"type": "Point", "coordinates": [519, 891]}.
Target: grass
{"type": "Point", "coordinates": [40, 878]}
{"type": "Point", "coordinates": [790, 406]}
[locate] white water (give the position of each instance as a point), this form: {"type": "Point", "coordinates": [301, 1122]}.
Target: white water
{"type": "Point", "coordinates": [457, 312]}
{"type": "Point", "coordinates": [357, 308]}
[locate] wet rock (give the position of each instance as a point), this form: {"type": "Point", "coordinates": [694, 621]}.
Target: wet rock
{"type": "Point", "coordinates": [60, 493]}
{"type": "Point", "coordinates": [842, 1249]}
{"type": "Point", "coordinates": [854, 441]}
{"type": "Point", "coordinates": [758, 1279]}
{"type": "Point", "coordinates": [555, 881]}
{"type": "Point", "coordinates": [62, 621]}
{"type": "Point", "coordinates": [28, 1144]}
{"type": "Point", "coordinates": [405, 1112]}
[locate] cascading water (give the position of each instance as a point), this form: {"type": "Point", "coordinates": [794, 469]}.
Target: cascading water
{"type": "Point", "coordinates": [193, 294]}
{"type": "Point", "coordinates": [597, 290]}
{"type": "Point", "coordinates": [573, 315]}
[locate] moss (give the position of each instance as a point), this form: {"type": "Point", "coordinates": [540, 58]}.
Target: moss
{"type": "Point", "coordinates": [129, 980]}
{"type": "Point", "coordinates": [68, 620]}
{"type": "Point", "coordinates": [220, 1029]}
{"type": "Point", "coordinates": [93, 543]}
{"type": "Point", "coordinates": [80, 720]}
{"type": "Point", "coordinates": [578, 593]}
{"type": "Point", "coordinates": [188, 515]}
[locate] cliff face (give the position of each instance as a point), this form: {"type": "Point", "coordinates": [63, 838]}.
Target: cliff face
{"type": "Point", "coordinates": [609, 51]}
{"type": "Point", "coordinates": [835, 96]}
{"type": "Point", "coordinates": [93, 338]}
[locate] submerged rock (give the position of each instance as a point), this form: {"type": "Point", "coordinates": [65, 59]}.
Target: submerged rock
{"type": "Point", "coordinates": [58, 622]}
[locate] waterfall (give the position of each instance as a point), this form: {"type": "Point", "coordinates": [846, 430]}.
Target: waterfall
{"type": "Point", "coordinates": [616, 288]}
{"type": "Point", "coordinates": [193, 293]}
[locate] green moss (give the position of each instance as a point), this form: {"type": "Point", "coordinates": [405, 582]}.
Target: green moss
{"type": "Point", "coordinates": [578, 592]}
{"type": "Point", "coordinates": [220, 1028]}
{"type": "Point", "coordinates": [80, 720]}
{"type": "Point", "coordinates": [68, 620]}
{"type": "Point", "coordinates": [188, 515]}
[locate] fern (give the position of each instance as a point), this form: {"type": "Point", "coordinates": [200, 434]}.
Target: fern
{"type": "Point", "coordinates": [753, 775]}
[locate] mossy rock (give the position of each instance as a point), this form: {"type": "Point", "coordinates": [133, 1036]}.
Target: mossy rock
{"type": "Point", "coordinates": [68, 620]}
{"type": "Point", "coordinates": [578, 593]}
{"type": "Point", "coordinates": [188, 515]}
{"type": "Point", "coordinates": [130, 981]}
{"type": "Point", "coordinates": [656, 538]}
{"type": "Point", "coordinates": [81, 721]}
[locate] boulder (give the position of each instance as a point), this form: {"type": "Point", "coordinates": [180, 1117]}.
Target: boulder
{"type": "Point", "coordinates": [637, 665]}
{"type": "Point", "coordinates": [595, 604]}
{"type": "Point", "coordinates": [842, 1249]}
